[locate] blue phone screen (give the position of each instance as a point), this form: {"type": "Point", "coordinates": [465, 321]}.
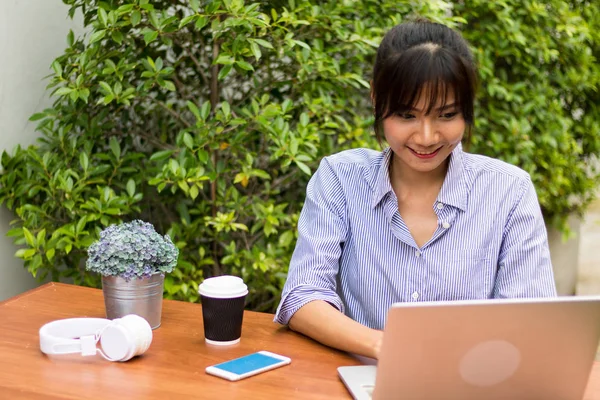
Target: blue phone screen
{"type": "Point", "coordinates": [248, 363]}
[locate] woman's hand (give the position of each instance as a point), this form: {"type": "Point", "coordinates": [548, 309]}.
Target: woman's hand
{"type": "Point", "coordinates": [378, 335]}
{"type": "Point", "coordinates": [326, 324]}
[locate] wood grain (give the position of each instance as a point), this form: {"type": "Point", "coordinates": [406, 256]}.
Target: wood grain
{"type": "Point", "coordinates": [174, 365]}
{"type": "Point", "coordinates": [172, 368]}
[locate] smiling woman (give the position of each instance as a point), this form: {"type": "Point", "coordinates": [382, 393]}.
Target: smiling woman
{"type": "Point", "coordinates": [420, 221]}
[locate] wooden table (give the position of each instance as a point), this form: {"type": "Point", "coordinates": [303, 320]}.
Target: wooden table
{"type": "Point", "coordinates": [173, 367]}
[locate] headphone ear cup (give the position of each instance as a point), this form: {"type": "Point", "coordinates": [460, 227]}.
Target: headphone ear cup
{"type": "Point", "coordinates": [118, 341]}
{"type": "Point", "coordinates": [140, 330]}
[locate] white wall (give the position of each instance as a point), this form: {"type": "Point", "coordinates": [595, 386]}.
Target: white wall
{"type": "Point", "coordinates": [32, 34]}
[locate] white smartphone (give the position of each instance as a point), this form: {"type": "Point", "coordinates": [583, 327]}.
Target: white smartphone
{"type": "Point", "coordinates": [249, 365]}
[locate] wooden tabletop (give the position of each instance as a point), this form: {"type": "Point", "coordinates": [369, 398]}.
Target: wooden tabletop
{"type": "Point", "coordinates": [172, 368]}
{"type": "Point", "coordinates": [174, 365]}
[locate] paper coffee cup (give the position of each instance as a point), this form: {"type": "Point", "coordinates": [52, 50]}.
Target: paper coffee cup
{"type": "Point", "coordinates": [223, 299]}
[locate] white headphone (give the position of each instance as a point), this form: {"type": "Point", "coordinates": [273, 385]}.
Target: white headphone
{"type": "Point", "coordinates": [120, 339]}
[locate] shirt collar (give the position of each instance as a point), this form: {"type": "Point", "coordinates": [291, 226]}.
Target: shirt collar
{"type": "Point", "coordinates": [453, 191]}
{"type": "Point", "coordinates": [381, 180]}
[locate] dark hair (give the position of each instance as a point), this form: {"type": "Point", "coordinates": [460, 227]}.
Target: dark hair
{"type": "Point", "coordinates": [422, 55]}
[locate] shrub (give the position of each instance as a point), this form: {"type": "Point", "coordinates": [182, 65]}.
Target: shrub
{"type": "Point", "coordinates": [539, 104]}
{"type": "Point", "coordinates": [207, 119]}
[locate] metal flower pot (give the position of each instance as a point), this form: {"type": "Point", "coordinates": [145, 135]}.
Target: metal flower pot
{"type": "Point", "coordinates": [141, 296]}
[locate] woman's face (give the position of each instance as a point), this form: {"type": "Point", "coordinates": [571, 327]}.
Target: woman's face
{"type": "Point", "coordinates": [422, 142]}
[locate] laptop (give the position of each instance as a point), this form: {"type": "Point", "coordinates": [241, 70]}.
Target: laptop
{"type": "Point", "coordinates": [496, 349]}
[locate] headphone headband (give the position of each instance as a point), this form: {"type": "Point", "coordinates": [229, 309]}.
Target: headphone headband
{"type": "Point", "coordinates": [125, 337]}
{"type": "Point", "coordinates": [73, 335]}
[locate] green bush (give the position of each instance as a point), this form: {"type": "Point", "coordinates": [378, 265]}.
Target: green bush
{"type": "Point", "coordinates": [539, 105]}
{"type": "Point", "coordinates": [207, 118]}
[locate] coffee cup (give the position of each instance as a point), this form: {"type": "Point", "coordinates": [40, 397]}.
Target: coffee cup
{"type": "Point", "coordinates": [223, 299]}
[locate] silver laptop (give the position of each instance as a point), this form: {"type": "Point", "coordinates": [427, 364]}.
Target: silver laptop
{"type": "Point", "coordinates": [533, 349]}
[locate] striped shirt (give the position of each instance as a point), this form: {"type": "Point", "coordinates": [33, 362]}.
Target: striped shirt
{"type": "Point", "coordinates": [355, 252]}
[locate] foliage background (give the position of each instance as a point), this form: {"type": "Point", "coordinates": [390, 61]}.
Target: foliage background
{"type": "Point", "coordinates": [207, 118]}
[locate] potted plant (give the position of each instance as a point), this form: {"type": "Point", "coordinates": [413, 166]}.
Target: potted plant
{"type": "Point", "coordinates": [133, 259]}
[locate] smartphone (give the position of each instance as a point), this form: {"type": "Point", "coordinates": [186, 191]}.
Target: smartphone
{"type": "Point", "coordinates": [249, 365]}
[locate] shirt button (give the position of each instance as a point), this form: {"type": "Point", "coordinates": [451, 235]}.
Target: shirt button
{"type": "Point", "coordinates": [440, 206]}
{"type": "Point", "coordinates": [446, 225]}
{"type": "Point", "coordinates": [415, 296]}
{"type": "Point", "coordinates": [418, 253]}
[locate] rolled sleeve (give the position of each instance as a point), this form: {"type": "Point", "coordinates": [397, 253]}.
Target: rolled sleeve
{"type": "Point", "coordinates": [525, 267]}
{"type": "Point", "coordinates": [322, 229]}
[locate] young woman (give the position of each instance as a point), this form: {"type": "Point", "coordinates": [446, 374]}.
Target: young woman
{"type": "Point", "coordinates": [420, 221]}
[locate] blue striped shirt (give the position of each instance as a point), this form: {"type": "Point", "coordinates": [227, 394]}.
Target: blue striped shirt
{"type": "Point", "coordinates": [355, 252]}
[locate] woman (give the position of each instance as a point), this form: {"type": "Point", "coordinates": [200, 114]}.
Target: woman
{"type": "Point", "coordinates": [420, 221]}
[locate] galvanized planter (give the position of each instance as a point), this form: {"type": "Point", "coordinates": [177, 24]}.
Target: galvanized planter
{"type": "Point", "coordinates": [141, 296]}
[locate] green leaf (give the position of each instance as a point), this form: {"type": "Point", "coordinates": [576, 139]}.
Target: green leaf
{"type": "Point", "coordinates": [188, 140]}
{"type": "Point", "coordinates": [37, 116]}
{"type": "Point", "coordinates": [117, 36]}
{"type": "Point", "coordinates": [106, 87]}
{"type": "Point", "coordinates": [118, 88]}
{"type": "Point", "coordinates": [261, 174]}
{"type": "Point", "coordinates": [70, 38]}
{"type": "Point", "coordinates": [303, 167]}
{"type": "Point", "coordinates": [151, 65]}
{"type": "Point", "coordinates": [84, 161]}
{"type": "Point", "coordinates": [201, 22]}
{"type": "Point", "coordinates": [150, 37]}
{"type": "Point", "coordinates": [226, 108]}
{"type": "Point", "coordinates": [304, 120]}
{"type": "Point", "coordinates": [81, 224]}
{"type": "Point", "coordinates": [286, 238]}
{"type": "Point", "coordinates": [224, 72]}
{"type": "Point", "coordinates": [224, 59]}
{"type": "Point", "coordinates": [136, 17]}
{"type": "Point", "coordinates": [115, 147]}
{"type": "Point", "coordinates": [184, 186]}
{"type": "Point", "coordinates": [158, 64]}
{"type": "Point", "coordinates": [194, 192]}
{"type": "Point", "coordinates": [41, 237]}
{"type": "Point", "coordinates": [205, 110]}
{"type": "Point", "coordinates": [27, 254]}
{"type": "Point", "coordinates": [106, 99]}
{"type": "Point", "coordinates": [203, 156]}
{"type": "Point", "coordinates": [244, 65]}
{"type": "Point", "coordinates": [187, 20]}
{"type": "Point", "coordinates": [50, 254]}
{"type": "Point", "coordinates": [161, 155]}
{"type": "Point", "coordinates": [255, 50]}
{"type": "Point", "coordinates": [84, 94]}
{"type": "Point", "coordinates": [63, 91]}
{"type": "Point", "coordinates": [57, 68]}
{"type": "Point", "coordinates": [102, 16]}
{"type": "Point", "coordinates": [97, 36]}
{"type": "Point", "coordinates": [174, 166]}
{"type": "Point", "coordinates": [301, 44]}
{"type": "Point", "coordinates": [74, 95]}
{"type": "Point", "coordinates": [194, 109]}
{"type": "Point", "coordinates": [29, 237]}
{"type": "Point", "coordinates": [263, 43]}
{"type": "Point", "coordinates": [131, 187]}
{"type": "Point", "coordinates": [170, 86]}
{"type": "Point", "coordinates": [152, 16]}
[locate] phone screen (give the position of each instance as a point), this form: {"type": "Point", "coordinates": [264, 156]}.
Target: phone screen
{"type": "Point", "coordinates": [248, 363]}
